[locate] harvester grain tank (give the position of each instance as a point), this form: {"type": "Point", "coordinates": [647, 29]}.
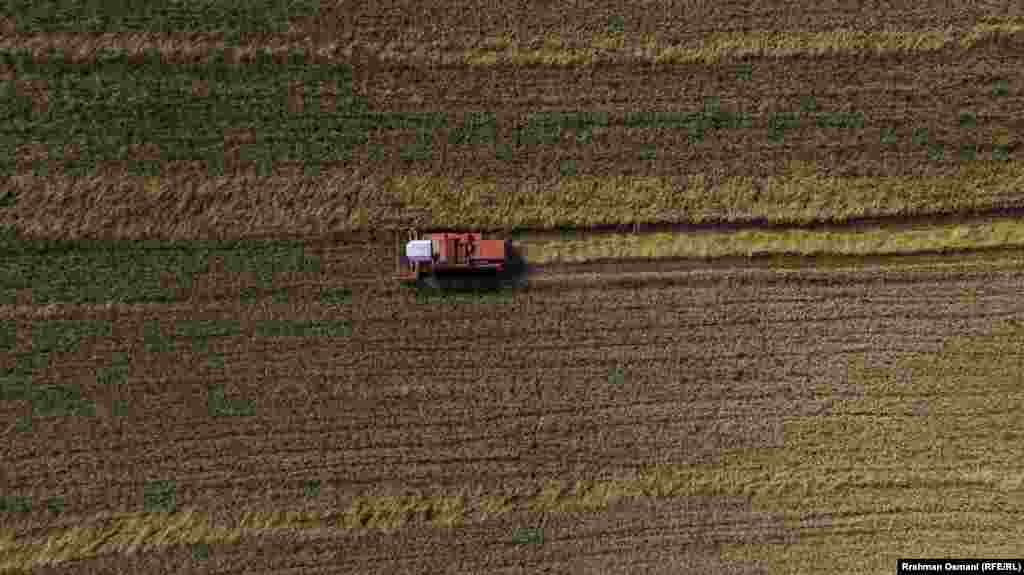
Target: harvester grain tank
{"type": "Point", "coordinates": [424, 259]}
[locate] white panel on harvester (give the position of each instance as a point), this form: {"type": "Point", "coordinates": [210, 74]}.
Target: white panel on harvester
{"type": "Point", "coordinates": [418, 251]}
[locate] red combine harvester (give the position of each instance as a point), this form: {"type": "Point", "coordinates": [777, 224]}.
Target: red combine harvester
{"type": "Point", "coordinates": [427, 259]}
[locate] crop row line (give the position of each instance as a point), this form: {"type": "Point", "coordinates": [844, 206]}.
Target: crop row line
{"type": "Point", "coordinates": [501, 50]}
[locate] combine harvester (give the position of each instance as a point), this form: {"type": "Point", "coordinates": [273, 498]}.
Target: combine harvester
{"type": "Point", "coordinates": [451, 260]}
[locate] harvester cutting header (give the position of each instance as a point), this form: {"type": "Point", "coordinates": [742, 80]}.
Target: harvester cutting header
{"type": "Point", "coordinates": [426, 259]}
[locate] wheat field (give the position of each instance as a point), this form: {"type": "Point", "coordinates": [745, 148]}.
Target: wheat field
{"type": "Point", "coordinates": [770, 316]}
